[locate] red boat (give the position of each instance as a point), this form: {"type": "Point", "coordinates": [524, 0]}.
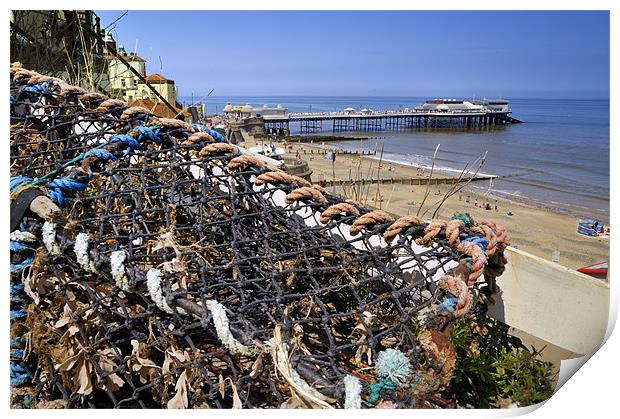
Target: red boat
{"type": "Point", "coordinates": [598, 270]}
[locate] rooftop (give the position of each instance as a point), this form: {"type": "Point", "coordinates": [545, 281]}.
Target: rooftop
{"type": "Point", "coordinates": [133, 57]}
{"type": "Point", "coordinates": [159, 108]}
{"type": "Point", "coordinates": [158, 79]}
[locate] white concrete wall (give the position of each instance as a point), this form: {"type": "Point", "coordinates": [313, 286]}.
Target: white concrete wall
{"type": "Point", "coordinates": [551, 302]}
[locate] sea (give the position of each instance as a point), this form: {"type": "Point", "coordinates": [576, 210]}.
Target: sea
{"type": "Point", "coordinates": [557, 159]}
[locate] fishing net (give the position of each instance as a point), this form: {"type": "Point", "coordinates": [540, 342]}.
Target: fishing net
{"type": "Point", "coordinates": [154, 265]}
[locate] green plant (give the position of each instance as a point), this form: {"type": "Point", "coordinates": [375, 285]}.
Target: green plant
{"type": "Point", "coordinates": [522, 378]}
{"type": "Point", "coordinates": [493, 366]}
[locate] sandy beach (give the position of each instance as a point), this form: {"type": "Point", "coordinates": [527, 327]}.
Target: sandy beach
{"type": "Point", "coordinates": [539, 231]}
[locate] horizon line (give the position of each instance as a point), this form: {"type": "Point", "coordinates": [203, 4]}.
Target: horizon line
{"type": "Point", "coordinates": [391, 96]}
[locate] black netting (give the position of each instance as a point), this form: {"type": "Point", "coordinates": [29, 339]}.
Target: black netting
{"type": "Point", "coordinates": [181, 272]}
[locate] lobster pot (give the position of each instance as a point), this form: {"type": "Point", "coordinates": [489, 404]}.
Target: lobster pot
{"type": "Point", "coordinates": [156, 266]}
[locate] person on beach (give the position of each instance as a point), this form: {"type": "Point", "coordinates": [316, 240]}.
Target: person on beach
{"type": "Point", "coordinates": [476, 203]}
{"type": "Point", "coordinates": [467, 199]}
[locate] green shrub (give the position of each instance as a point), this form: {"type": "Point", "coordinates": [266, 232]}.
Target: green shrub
{"type": "Point", "coordinates": [495, 367]}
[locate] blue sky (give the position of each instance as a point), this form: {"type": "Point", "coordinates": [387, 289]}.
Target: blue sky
{"type": "Point", "coordinates": [512, 54]}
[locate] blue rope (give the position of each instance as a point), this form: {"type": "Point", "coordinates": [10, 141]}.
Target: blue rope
{"type": "Point", "coordinates": [18, 247]}
{"type": "Point", "coordinates": [19, 375]}
{"type": "Point", "coordinates": [448, 304]}
{"type": "Point", "coordinates": [17, 289]}
{"type": "Point", "coordinates": [36, 88]}
{"type": "Point", "coordinates": [18, 314]}
{"type": "Point", "coordinates": [56, 187]}
{"type": "Point", "coordinates": [18, 180]}
{"type": "Point", "coordinates": [127, 140]}
{"type": "Point", "coordinates": [67, 184]}
{"type": "Point", "coordinates": [216, 135]}
{"type": "Point", "coordinates": [150, 133]}
{"type": "Point", "coordinates": [17, 296]}
{"type": "Point", "coordinates": [481, 242]}
{"type": "Point", "coordinates": [101, 153]}
{"type": "Point", "coordinates": [17, 353]}
{"type": "Point", "coordinates": [57, 197]}
{"type": "Point", "coordinates": [18, 267]}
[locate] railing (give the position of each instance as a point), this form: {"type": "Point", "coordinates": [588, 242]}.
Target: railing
{"type": "Point", "coordinates": [412, 112]}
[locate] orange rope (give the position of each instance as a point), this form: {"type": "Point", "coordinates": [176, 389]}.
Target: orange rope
{"type": "Point", "coordinates": [242, 162]}
{"type": "Point", "coordinates": [217, 148]}
{"type": "Point", "coordinates": [281, 177]}
{"type": "Point", "coordinates": [336, 209]}
{"type": "Point", "coordinates": [369, 219]}
{"type": "Point", "coordinates": [399, 225]}
{"type": "Point", "coordinates": [430, 232]}
{"type": "Point", "coordinates": [305, 193]}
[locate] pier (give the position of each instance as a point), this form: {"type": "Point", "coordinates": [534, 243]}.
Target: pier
{"type": "Point", "coordinates": [313, 123]}
{"type": "Point", "coordinates": [434, 113]}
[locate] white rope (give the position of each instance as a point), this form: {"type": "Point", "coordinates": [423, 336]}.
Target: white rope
{"type": "Point", "coordinates": [352, 391]}
{"type": "Point", "coordinates": [48, 232]}
{"type": "Point", "coordinates": [153, 284]}
{"type": "Point", "coordinates": [117, 260]}
{"type": "Point", "coordinates": [280, 353]}
{"type": "Point", "coordinates": [81, 251]}
{"type": "Point", "coordinates": [218, 312]}
{"type": "Point", "coordinates": [23, 236]}
{"type": "Point", "coordinates": [221, 323]}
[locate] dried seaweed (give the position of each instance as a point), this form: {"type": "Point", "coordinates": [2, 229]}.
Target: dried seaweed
{"type": "Point", "coordinates": [184, 281]}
